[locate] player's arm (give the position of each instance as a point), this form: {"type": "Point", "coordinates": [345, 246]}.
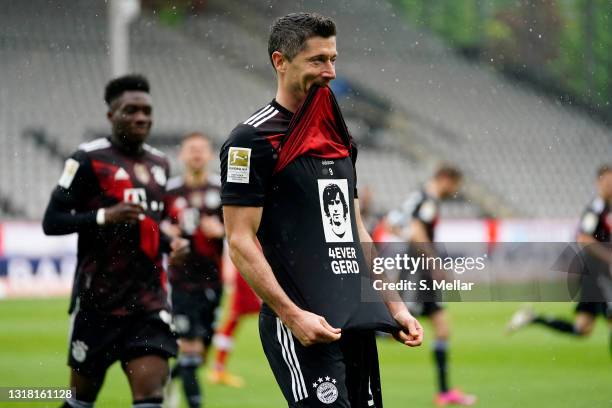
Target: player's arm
{"type": "Point", "coordinates": [419, 238]}
{"type": "Point", "coordinates": [412, 335]}
{"type": "Point", "coordinates": [77, 184]}
{"type": "Point", "coordinates": [594, 247]}
{"type": "Point", "coordinates": [585, 237]}
{"type": "Point", "coordinates": [241, 224]}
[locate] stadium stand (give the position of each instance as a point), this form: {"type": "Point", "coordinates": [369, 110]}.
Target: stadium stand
{"type": "Point", "coordinates": [522, 153]}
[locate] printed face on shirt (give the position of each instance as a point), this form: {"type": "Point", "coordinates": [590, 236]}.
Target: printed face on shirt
{"type": "Point", "coordinates": [335, 212]}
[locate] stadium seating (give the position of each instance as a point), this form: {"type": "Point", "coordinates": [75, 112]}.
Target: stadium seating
{"type": "Point", "coordinates": [517, 148]}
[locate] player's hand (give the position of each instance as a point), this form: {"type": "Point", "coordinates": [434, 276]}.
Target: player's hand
{"type": "Point", "coordinates": [170, 229]}
{"type": "Point", "coordinates": [122, 213]}
{"type": "Point", "coordinates": [179, 248]}
{"type": "Point", "coordinates": [212, 227]}
{"type": "Point", "coordinates": [310, 328]}
{"type": "Point", "coordinates": [412, 331]}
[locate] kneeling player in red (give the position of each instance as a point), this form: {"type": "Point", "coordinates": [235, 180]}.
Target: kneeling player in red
{"type": "Point", "coordinates": [289, 183]}
{"type": "Point", "coordinates": [112, 194]}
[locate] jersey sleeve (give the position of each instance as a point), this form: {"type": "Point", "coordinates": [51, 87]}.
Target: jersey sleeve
{"type": "Point", "coordinates": [77, 183]}
{"type": "Point", "coordinates": [425, 211]}
{"type": "Point", "coordinates": [247, 162]}
{"type": "Point", "coordinates": [588, 222]}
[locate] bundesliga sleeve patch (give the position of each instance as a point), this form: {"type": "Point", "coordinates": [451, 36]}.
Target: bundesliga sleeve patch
{"type": "Point", "coordinates": [70, 169]}
{"type": "Point", "coordinates": [335, 212]}
{"type": "Point", "coordinates": [238, 165]}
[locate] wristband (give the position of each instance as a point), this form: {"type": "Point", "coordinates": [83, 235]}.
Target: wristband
{"type": "Point", "coordinates": [101, 216]}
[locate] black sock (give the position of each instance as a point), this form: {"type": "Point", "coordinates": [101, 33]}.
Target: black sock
{"type": "Point", "coordinates": [440, 356]}
{"type": "Point", "coordinates": [188, 372]}
{"type": "Point", "coordinates": [148, 403]}
{"type": "Point", "coordinates": [557, 324]}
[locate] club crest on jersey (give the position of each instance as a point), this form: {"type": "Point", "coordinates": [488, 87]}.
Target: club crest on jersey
{"type": "Point", "coordinates": [142, 173]}
{"type": "Point", "coordinates": [238, 165]}
{"type": "Point", "coordinates": [326, 389]}
{"type": "Point", "coordinates": [159, 175]}
{"type": "Point", "coordinates": [334, 201]}
{"type": "Point", "coordinates": [79, 350]}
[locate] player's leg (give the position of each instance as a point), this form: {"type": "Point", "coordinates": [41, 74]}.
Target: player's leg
{"type": "Point", "coordinates": [193, 321]}
{"type": "Point", "coordinates": [584, 323]}
{"type": "Point", "coordinates": [92, 349]}
{"type": "Point", "coordinates": [441, 328]}
{"type": "Point", "coordinates": [187, 364]}
{"type": "Point", "coordinates": [146, 346]}
{"type": "Point", "coordinates": [86, 390]}
{"type": "Point", "coordinates": [581, 326]}
{"type": "Point", "coordinates": [224, 341]}
{"type": "Point", "coordinates": [147, 376]}
{"type": "Point", "coordinates": [244, 302]}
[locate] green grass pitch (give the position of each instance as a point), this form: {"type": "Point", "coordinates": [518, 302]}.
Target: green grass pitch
{"type": "Point", "coordinates": [532, 368]}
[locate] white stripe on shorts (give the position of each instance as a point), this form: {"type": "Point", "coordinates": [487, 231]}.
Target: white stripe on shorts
{"type": "Point", "coordinates": [285, 338]}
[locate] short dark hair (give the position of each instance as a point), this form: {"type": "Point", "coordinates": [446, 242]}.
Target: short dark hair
{"type": "Point", "coordinates": [289, 33]}
{"type": "Point", "coordinates": [448, 170]}
{"type": "Point", "coordinates": [329, 194]}
{"type": "Point", "coordinates": [116, 87]}
{"type": "Point", "coordinates": [603, 169]}
{"type": "Point", "coordinates": [196, 135]}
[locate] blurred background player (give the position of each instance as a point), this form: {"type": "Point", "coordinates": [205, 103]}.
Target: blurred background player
{"type": "Point", "coordinates": [111, 193]}
{"type": "Point", "coordinates": [244, 303]}
{"type": "Point", "coordinates": [594, 236]}
{"type": "Point", "coordinates": [421, 212]}
{"type": "Point", "coordinates": [194, 209]}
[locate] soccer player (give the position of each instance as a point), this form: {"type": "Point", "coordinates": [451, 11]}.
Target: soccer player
{"type": "Point", "coordinates": [193, 203]}
{"type": "Point", "coordinates": [111, 193]}
{"type": "Point", "coordinates": [421, 211]}
{"type": "Point", "coordinates": [316, 333]}
{"type": "Point", "coordinates": [593, 231]}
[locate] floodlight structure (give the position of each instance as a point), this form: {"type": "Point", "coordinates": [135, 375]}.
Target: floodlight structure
{"type": "Point", "coordinates": [120, 14]}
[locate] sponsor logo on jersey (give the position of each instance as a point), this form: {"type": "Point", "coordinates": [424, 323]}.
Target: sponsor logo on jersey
{"type": "Point", "coordinates": [327, 392]}
{"type": "Point", "coordinates": [135, 195]}
{"type": "Point", "coordinates": [121, 174]}
{"type": "Point", "coordinates": [159, 175]}
{"type": "Point", "coordinates": [238, 165]}
{"type": "Point", "coordinates": [334, 201]}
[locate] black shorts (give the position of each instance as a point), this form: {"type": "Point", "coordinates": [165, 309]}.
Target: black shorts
{"type": "Point", "coordinates": [194, 314]}
{"type": "Point", "coordinates": [96, 341]}
{"type": "Point", "coordinates": [340, 374]}
{"type": "Point", "coordinates": [595, 308]}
